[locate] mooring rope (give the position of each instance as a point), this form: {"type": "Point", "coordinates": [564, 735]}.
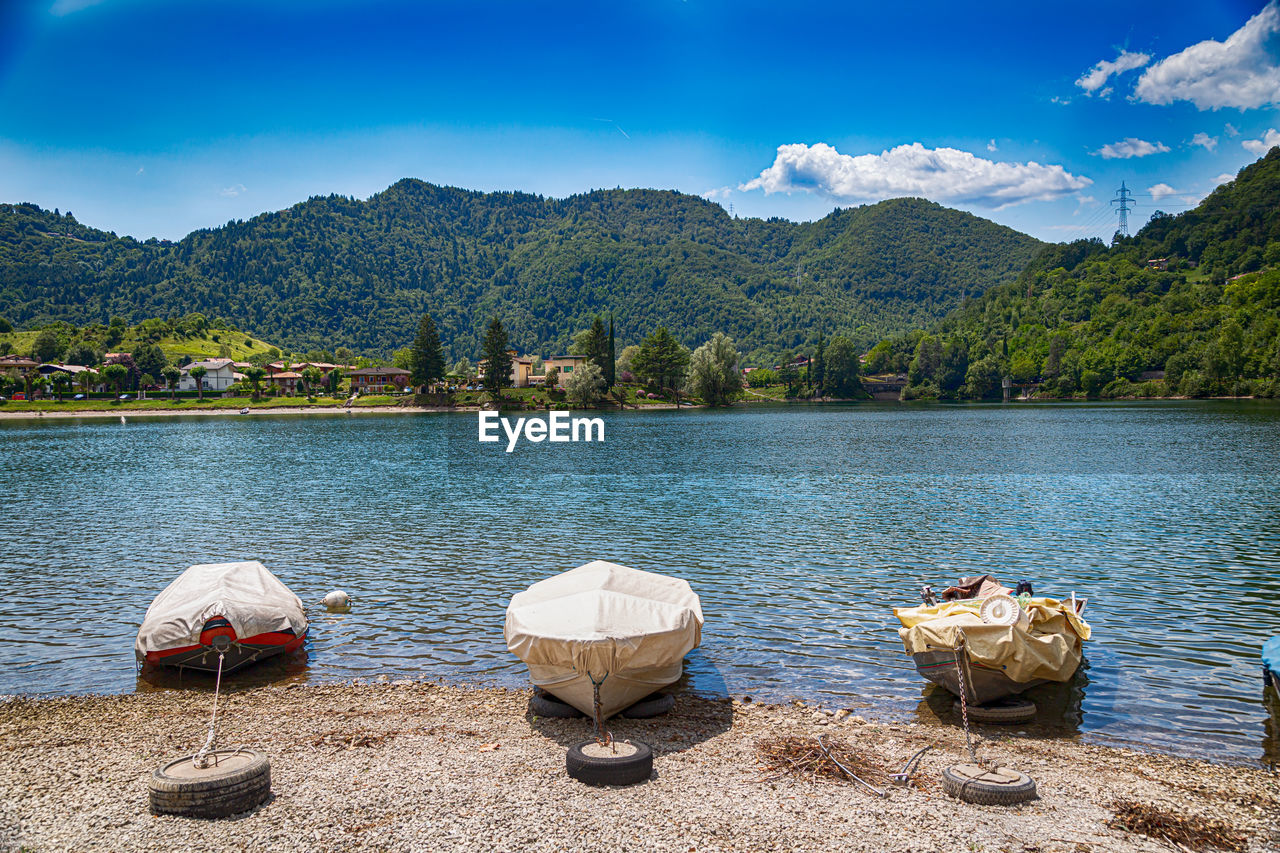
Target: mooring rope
{"type": "Point", "coordinates": [202, 759]}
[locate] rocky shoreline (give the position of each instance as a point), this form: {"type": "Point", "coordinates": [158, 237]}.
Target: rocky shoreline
{"type": "Point", "coordinates": [422, 766]}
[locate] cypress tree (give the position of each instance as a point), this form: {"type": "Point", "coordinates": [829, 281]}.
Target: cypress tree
{"type": "Point", "coordinates": [611, 363]}
{"type": "Point", "coordinates": [497, 361]}
{"type": "Point", "coordinates": [819, 365]}
{"type": "Point", "coordinates": [426, 357]}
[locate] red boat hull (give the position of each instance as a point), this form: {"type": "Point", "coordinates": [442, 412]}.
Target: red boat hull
{"type": "Point", "coordinates": [242, 652]}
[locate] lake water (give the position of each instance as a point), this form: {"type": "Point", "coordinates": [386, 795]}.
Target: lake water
{"type": "Point", "coordinates": [798, 527]}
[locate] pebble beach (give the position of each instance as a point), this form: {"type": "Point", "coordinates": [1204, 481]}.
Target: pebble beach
{"type": "Point", "coordinates": [422, 766]}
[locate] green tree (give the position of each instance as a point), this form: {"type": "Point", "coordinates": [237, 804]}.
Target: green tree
{"type": "Point", "coordinates": [115, 375]}
{"type": "Point", "coordinates": [198, 373]}
{"type": "Point", "coordinates": [253, 374]}
{"type": "Point", "coordinates": [426, 363]}
{"type": "Point", "coordinates": [623, 368]}
{"type": "Point", "coordinates": [496, 358]}
{"type": "Point", "coordinates": [842, 367]}
{"type": "Point", "coordinates": [48, 346]}
{"type": "Point", "coordinates": [585, 386]}
{"type": "Point", "coordinates": [880, 359]}
{"type": "Point", "coordinates": [713, 371]}
{"type": "Point", "coordinates": [610, 363]}
{"type": "Point", "coordinates": [61, 382]}
{"type": "Point", "coordinates": [927, 362]}
{"type": "Point", "coordinates": [334, 378]}
{"type": "Point", "coordinates": [5, 326]}
{"type": "Point", "coordinates": [982, 379]}
{"type": "Point", "coordinates": [150, 359]}
{"type": "Point", "coordinates": [402, 358]}
{"type": "Point", "coordinates": [86, 379]}
{"type": "Point", "coordinates": [83, 354]}
{"type": "Point", "coordinates": [790, 377]}
{"type": "Point", "coordinates": [311, 378]}
{"type": "Point", "coordinates": [172, 374]}
{"type": "Point", "coordinates": [662, 360]}
{"type": "Point", "coordinates": [38, 383]}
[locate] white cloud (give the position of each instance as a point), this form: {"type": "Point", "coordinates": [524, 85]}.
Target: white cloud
{"type": "Point", "coordinates": [1093, 79]}
{"type": "Point", "coordinates": [141, 170]}
{"type": "Point", "coordinates": [1130, 147]}
{"type": "Point", "coordinates": [1159, 191]}
{"type": "Point", "coordinates": [941, 174]}
{"type": "Point", "coordinates": [1269, 140]}
{"type": "Point", "coordinates": [1230, 130]}
{"type": "Point", "coordinates": [1205, 141]}
{"type": "Point", "coordinates": [991, 146]}
{"type": "Point", "coordinates": [233, 190]}
{"type": "Point", "coordinates": [1223, 178]}
{"type": "Point", "coordinates": [719, 192]}
{"type": "Point", "coordinates": [1241, 72]}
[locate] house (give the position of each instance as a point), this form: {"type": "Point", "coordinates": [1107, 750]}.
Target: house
{"type": "Point", "coordinates": [50, 369]}
{"type": "Point", "coordinates": [286, 381]}
{"type": "Point", "coordinates": [564, 365]}
{"type": "Point", "coordinates": [219, 375]}
{"type": "Point", "coordinates": [19, 363]}
{"type": "Point", "coordinates": [1158, 264]}
{"type": "Point", "coordinates": [369, 379]}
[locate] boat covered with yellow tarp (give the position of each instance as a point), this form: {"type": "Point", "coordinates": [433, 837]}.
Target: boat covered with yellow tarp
{"type": "Point", "coordinates": [1000, 660]}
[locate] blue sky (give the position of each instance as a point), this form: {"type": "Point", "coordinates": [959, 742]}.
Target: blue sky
{"type": "Point", "coordinates": [155, 118]}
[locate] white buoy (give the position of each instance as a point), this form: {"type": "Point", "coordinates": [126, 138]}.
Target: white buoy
{"type": "Point", "coordinates": [336, 600]}
{"type": "Point", "coordinates": [122, 420]}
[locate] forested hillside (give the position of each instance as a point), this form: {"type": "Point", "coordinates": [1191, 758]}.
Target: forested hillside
{"type": "Point", "coordinates": [1195, 295]}
{"type": "Point", "coordinates": [336, 271]}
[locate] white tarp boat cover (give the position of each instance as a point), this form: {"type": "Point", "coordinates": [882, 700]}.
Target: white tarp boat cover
{"type": "Point", "coordinates": [604, 621]}
{"type": "Point", "coordinates": [248, 596]}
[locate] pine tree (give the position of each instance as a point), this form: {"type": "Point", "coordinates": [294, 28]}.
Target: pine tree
{"type": "Point", "coordinates": [426, 358]}
{"type": "Point", "coordinates": [497, 360]}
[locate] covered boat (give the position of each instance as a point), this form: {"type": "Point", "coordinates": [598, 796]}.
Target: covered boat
{"type": "Point", "coordinates": [242, 602]}
{"type": "Point", "coordinates": [604, 624]}
{"type": "Point", "coordinates": [1271, 661]}
{"type": "Point", "coordinates": [1011, 643]}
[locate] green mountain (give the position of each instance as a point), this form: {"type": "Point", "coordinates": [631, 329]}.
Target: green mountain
{"type": "Point", "coordinates": [1195, 295]}
{"type": "Point", "coordinates": [336, 271]}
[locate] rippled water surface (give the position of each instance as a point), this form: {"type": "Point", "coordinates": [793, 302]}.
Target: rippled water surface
{"type": "Point", "coordinates": [799, 528]}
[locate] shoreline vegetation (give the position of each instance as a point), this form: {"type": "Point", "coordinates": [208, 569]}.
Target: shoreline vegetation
{"type": "Point", "coordinates": [419, 765]}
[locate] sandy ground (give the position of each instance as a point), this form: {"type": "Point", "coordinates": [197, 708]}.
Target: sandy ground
{"type": "Point", "coordinates": [274, 410]}
{"type": "Point", "coordinates": [419, 766]}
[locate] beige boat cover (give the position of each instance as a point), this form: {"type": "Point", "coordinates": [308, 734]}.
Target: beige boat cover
{"type": "Point", "coordinates": [604, 621]}
{"type": "Point", "coordinates": [248, 596]}
{"type": "Point", "coordinates": [1049, 648]}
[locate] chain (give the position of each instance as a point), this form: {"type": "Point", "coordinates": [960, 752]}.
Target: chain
{"type": "Point", "coordinates": [602, 737]}
{"type": "Point", "coordinates": [964, 702]}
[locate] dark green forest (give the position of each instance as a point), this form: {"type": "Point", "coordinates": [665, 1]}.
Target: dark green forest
{"type": "Point", "coordinates": [1085, 319]}
{"type": "Point", "coordinates": [335, 271]}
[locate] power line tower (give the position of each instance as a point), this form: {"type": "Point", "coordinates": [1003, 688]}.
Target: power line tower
{"type": "Point", "coordinates": [1122, 199]}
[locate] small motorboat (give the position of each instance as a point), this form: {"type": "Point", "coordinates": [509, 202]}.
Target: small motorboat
{"type": "Point", "coordinates": [1005, 644]}
{"type": "Point", "coordinates": [237, 610]}
{"type": "Point", "coordinates": [604, 626]}
{"type": "Point", "coordinates": [245, 410]}
{"type": "Point", "coordinates": [1271, 662]}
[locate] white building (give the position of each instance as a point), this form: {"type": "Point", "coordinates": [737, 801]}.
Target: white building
{"type": "Point", "coordinates": [219, 375]}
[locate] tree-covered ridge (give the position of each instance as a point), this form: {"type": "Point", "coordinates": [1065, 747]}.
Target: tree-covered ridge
{"type": "Point", "coordinates": [1196, 296]}
{"type": "Point", "coordinates": [334, 270]}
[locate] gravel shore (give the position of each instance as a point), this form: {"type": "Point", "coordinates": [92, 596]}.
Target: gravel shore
{"type": "Point", "coordinates": [420, 766]}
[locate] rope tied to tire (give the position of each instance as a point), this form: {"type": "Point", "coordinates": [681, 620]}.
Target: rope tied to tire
{"type": "Point", "coordinates": [202, 758]}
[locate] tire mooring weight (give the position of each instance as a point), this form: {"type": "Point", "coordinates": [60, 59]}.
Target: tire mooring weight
{"type": "Point", "coordinates": [238, 781]}
{"type": "Point", "coordinates": [1000, 786]}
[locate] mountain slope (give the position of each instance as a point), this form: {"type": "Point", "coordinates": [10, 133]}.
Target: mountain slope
{"type": "Point", "coordinates": [1085, 318]}
{"type": "Point", "coordinates": [334, 270]}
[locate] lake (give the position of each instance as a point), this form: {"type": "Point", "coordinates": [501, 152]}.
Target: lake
{"type": "Point", "coordinates": [799, 527]}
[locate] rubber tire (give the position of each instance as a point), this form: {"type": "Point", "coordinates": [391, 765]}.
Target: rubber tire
{"type": "Point", "coordinates": [546, 705]}
{"type": "Point", "coordinates": [626, 770]}
{"type": "Point", "coordinates": [218, 795]}
{"type": "Point", "coordinates": [981, 793]}
{"type": "Point", "coordinates": [1006, 712]}
{"type": "Point", "coordinates": [650, 706]}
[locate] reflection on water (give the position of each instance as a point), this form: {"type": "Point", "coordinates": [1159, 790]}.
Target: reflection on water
{"type": "Point", "coordinates": [799, 528]}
